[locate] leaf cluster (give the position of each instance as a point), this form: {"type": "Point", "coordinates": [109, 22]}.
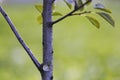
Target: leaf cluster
{"type": "Point", "coordinates": [77, 7]}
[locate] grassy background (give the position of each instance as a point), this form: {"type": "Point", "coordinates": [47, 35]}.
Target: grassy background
{"type": "Point", "coordinates": [81, 51]}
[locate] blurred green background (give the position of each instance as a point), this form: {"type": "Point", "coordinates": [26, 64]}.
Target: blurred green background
{"type": "Point", "coordinates": [81, 51]}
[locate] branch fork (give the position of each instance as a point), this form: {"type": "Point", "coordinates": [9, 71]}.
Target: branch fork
{"type": "Point", "coordinates": [70, 13]}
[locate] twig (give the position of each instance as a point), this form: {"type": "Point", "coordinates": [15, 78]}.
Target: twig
{"type": "Point", "coordinates": [70, 13]}
{"type": "Point", "coordinates": [85, 12]}
{"type": "Point", "coordinates": [29, 52]}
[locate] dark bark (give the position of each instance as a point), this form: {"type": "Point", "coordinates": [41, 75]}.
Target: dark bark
{"type": "Point", "coordinates": [47, 69]}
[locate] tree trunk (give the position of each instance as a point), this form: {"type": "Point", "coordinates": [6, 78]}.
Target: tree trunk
{"type": "Point", "coordinates": [47, 68]}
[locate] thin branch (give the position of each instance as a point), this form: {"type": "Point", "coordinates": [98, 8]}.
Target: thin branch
{"type": "Point", "coordinates": [29, 52]}
{"type": "Point", "coordinates": [85, 12]}
{"type": "Point", "coordinates": [70, 13]}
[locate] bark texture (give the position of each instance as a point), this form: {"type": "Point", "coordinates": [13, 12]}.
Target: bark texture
{"type": "Point", "coordinates": [47, 66]}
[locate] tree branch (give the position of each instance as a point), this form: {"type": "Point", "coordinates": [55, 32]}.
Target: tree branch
{"type": "Point", "coordinates": [85, 12]}
{"type": "Point", "coordinates": [19, 38]}
{"type": "Point", "coordinates": [70, 13]}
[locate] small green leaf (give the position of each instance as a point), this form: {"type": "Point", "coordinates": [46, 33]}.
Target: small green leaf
{"type": "Point", "coordinates": [39, 8]}
{"type": "Point", "coordinates": [89, 2]}
{"type": "Point", "coordinates": [101, 7]}
{"type": "Point", "coordinates": [93, 21]}
{"type": "Point", "coordinates": [78, 3]}
{"type": "Point", "coordinates": [53, 6]}
{"type": "Point", "coordinates": [56, 14]}
{"type": "Point", "coordinates": [68, 4]}
{"type": "Point", "coordinates": [39, 19]}
{"type": "Point", "coordinates": [107, 17]}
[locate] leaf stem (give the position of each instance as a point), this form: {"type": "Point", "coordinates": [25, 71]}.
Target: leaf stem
{"type": "Point", "coordinates": [85, 12]}
{"type": "Point", "coordinates": [70, 13]}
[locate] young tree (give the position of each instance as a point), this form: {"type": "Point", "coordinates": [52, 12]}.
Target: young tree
{"type": "Point", "coordinates": [45, 18]}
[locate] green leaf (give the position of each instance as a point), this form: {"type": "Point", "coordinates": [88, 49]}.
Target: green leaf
{"type": "Point", "coordinates": [68, 4]}
{"type": "Point", "coordinates": [39, 8]}
{"type": "Point", "coordinates": [78, 4]}
{"type": "Point", "coordinates": [53, 6]}
{"type": "Point", "coordinates": [89, 2]}
{"type": "Point", "coordinates": [101, 7]}
{"type": "Point", "coordinates": [39, 19]}
{"type": "Point", "coordinates": [93, 21]}
{"type": "Point", "coordinates": [56, 14]}
{"type": "Point", "coordinates": [107, 17]}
